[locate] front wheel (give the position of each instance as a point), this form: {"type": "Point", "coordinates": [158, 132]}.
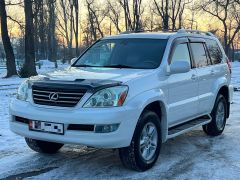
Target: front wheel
{"type": "Point", "coordinates": [43, 146]}
{"type": "Point", "coordinates": [219, 117]}
{"type": "Point", "coordinates": [145, 146]}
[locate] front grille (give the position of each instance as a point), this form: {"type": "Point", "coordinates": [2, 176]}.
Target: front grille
{"type": "Point", "coordinates": [61, 96]}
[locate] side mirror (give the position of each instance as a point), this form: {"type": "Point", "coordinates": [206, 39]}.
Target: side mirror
{"type": "Point", "coordinates": [73, 60]}
{"type": "Point", "coordinates": [179, 67]}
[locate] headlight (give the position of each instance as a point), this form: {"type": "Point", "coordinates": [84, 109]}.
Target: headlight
{"type": "Point", "coordinates": [22, 92]}
{"type": "Point", "coordinates": [109, 97]}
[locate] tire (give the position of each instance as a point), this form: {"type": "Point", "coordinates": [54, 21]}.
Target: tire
{"type": "Point", "coordinates": [132, 156]}
{"type": "Point", "coordinates": [217, 125]}
{"type": "Point", "coordinates": [43, 146]}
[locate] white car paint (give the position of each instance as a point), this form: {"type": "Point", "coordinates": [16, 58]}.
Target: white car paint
{"type": "Point", "coordinates": [181, 98]}
{"type": "Point", "coordinates": [74, 73]}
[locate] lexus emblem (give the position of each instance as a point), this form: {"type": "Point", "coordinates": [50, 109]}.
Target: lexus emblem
{"type": "Point", "coordinates": [53, 96]}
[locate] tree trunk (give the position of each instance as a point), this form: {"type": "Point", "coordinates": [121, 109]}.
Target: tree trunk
{"type": "Point", "coordinates": [125, 15]}
{"type": "Point", "coordinates": [29, 68]}
{"type": "Point", "coordinates": [36, 27]}
{"type": "Point", "coordinates": [225, 37]}
{"type": "Point", "coordinates": [65, 21]}
{"type": "Point", "coordinates": [166, 17]}
{"type": "Point", "coordinates": [76, 6]}
{"type": "Point", "coordinates": [91, 21]}
{"type": "Point", "coordinates": [41, 33]}
{"type": "Point", "coordinates": [11, 67]}
{"type": "Point", "coordinates": [71, 30]}
{"type": "Point", "coordinates": [52, 51]}
{"type": "Point", "coordinates": [136, 14]}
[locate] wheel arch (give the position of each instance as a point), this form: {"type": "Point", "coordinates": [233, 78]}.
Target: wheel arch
{"type": "Point", "coordinates": [160, 109]}
{"type": "Point", "coordinates": [224, 90]}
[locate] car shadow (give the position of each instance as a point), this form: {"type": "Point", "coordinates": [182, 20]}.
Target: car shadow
{"type": "Point", "coordinates": [177, 158]}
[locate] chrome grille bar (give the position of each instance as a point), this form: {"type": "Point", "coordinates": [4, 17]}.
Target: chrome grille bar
{"type": "Point", "coordinates": [65, 97]}
{"type": "Point", "coordinates": [44, 91]}
{"type": "Point", "coordinates": [47, 100]}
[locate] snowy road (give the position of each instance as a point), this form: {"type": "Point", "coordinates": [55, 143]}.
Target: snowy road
{"type": "Point", "coordinates": [190, 156]}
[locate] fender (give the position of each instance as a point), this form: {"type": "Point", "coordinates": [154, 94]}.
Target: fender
{"type": "Point", "coordinates": [142, 100]}
{"type": "Point", "coordinates": [219, 83]}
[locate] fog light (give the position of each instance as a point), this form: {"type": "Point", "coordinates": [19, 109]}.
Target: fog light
{"type": "Point", "coordinates": [106, 128]}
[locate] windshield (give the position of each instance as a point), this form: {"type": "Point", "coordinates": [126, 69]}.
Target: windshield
{"type": "Point", "coordinates": [124, 53]}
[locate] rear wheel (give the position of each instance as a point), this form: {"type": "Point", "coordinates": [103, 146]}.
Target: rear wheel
{"type": "Point", "coordinates": [145, 146]}
{"type": "Point", "coordinates": [219, 117]}
{"type": "Point", "coordinates": [43, 146]}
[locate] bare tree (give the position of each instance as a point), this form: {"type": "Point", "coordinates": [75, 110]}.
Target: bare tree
{"type": "Point", "coordinates": [65, 23]}
{"type": "Point", "coordinates": [127, 15]}
{"type": "Point", "coordinates": [137, 24]}
{"type": "Point", "coordinates": [96, 15]}
{"type": "Point", "coordinates": [71, 26]}
{"type": "Point", "coordinates": [192, 23]}
{"type": "Point", "coordinates": [171, 12]}
{"type": "Point", "coordinates": [42, 31]}
{"type": "Point", "coordinates": [76, 8]}
{"type": "Point", "coordinates": [162, 9]}
{"type": "Point", "coordinates": [11, 67]}
{"type": "Point", "coordinates": [29, 68]}
{"type": "Point", "coordinates": [36, 11]}
{"type": "Point", "coordinates": [228, 13]}
{"type": "Point", "coordinates": [114, 13]}
{"type": "Point", "coordinates": [52, 43]}
{"type": "Point", "coordinates": [177, 11]}
{"type": "Point", "coordinates": [132, 20]}
{"type": "Point", "coordinates": [92, 28]}
{"type": "Point", "coordinates": [176, 7]}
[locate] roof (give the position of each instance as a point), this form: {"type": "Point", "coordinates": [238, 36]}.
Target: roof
{"type": "Point", "coordinates": [150, 35]}
{"type": "Point", "coordinates": [163, 35]}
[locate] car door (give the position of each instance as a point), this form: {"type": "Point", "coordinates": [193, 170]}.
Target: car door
{"type": "Point", "coordinates": [219, 67]}
{"type": "Point", "coordinates": [183, 87]}
{"type": "Point", "coordinates": [206, 74]}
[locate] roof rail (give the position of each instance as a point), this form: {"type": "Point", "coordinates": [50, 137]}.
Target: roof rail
{"type": "Point", "coordinates": [132, 31]}
{"type": "Point", "coordinates": [195, 32]}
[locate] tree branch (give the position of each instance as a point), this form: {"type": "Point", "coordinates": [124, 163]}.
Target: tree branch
{"type": "Point", "coordinates": [9, 3]}
{"type": "Point", "coordinates": [14, 20]}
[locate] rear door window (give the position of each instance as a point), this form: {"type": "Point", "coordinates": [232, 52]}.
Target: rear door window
{"type": "Point", "coordinates": [199, 55]}
{"type": "Point", "coordinates": [214, 51]}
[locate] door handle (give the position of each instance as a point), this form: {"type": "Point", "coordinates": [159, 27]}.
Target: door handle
{"type": "Point", "coordinates": [194, 77]}
{"type": "Point", "coordinates": [212, 72]}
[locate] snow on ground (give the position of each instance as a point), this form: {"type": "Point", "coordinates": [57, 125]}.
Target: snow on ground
{"type": "Point", "coordinates": [13, 83]}
{"type": "Point", "coordinates": [190, 156]}
{"type": "Point", "coordinates": [236, 74]}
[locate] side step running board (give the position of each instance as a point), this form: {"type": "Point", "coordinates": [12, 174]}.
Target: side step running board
{"type": "Point", "coordinates": [188, 126]}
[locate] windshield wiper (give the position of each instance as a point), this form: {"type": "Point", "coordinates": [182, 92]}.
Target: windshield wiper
{"type": "Point", "coordinates": [107, 66]}
{"type": "Point", "coordinates": [119, 66]}
{"type": "Point", "coordinates": [84, 65]}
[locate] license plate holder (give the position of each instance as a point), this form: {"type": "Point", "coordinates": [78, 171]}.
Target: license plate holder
{"type": "Point", "coordinates": [46, 127]}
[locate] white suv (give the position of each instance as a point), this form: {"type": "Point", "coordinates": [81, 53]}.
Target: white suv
{"type": "Point", "coordinates": [130, 91]}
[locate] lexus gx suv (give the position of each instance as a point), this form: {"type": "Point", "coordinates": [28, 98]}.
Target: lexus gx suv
{"type": "Point", "coordinates": [132, 92]}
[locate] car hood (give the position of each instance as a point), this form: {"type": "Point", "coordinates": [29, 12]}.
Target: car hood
{"type": "Point", "coordinates": [90, 73]}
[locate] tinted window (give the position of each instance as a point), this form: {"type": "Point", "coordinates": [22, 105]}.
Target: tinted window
{"type": "Point", "coordinates": [134, 53]}
{"type": "Point", "coordinates": [214, 51]}
{"type": "Point", "coordinates": [199, 54]}
{"type": "Point", "coordinates": [181, 53]}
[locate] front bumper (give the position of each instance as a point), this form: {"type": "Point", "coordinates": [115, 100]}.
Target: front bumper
{"type": "Point", "coordinates": [126, 117]}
